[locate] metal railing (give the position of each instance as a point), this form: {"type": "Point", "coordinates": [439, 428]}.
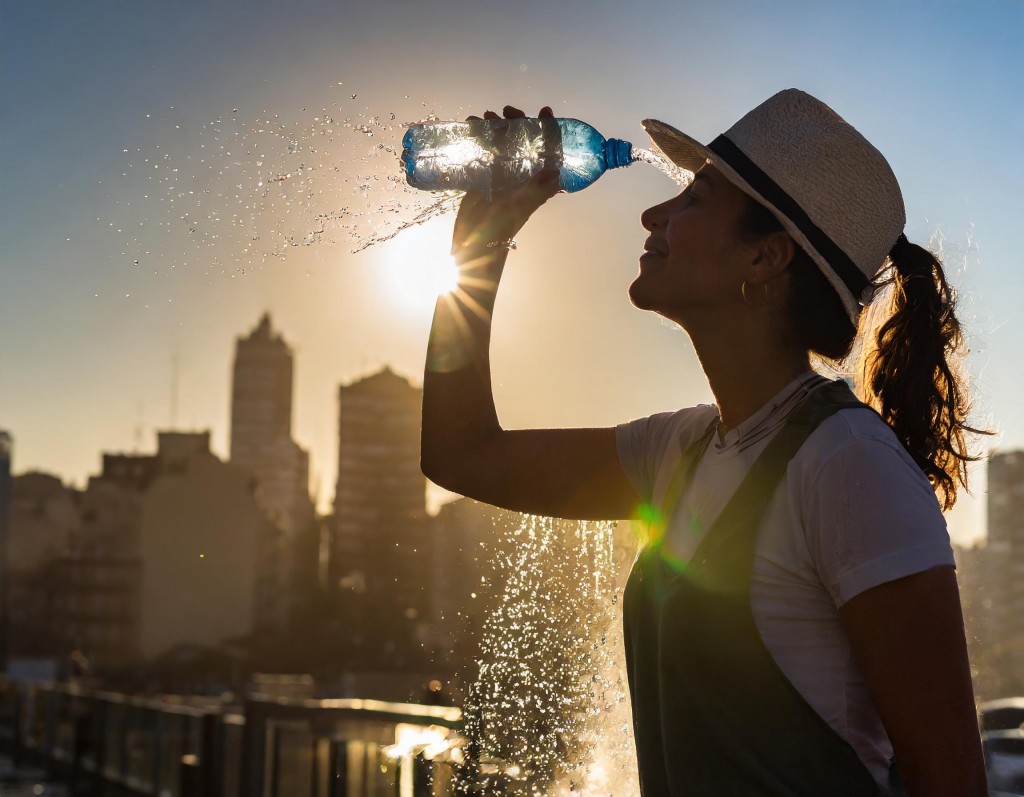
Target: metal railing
{"type": "Point", "coordinates": [109, 744]}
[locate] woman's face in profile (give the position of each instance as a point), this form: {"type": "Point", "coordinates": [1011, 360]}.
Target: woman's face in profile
{"type": "Point", "coordinates": [694, 256]}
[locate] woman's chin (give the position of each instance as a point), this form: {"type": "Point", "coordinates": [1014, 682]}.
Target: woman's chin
{"type": "Point", "coordinates": [641, 295]}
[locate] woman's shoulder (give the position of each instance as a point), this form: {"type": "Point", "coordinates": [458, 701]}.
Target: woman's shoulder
{"type": "Point", "coordinates": [867, 511]}
{"type": "Point", "coordinates": [854, 434]}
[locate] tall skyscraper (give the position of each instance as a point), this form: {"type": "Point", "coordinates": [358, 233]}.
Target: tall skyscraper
{"type": "Point", "coordinates": [1004, 573]}
{"type": "Point", "coordinates": [379, 563]}
{"type": "Point", "coordinates": [261, 427]}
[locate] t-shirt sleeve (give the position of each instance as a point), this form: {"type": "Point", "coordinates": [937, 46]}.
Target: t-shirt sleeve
{"type": "Point", "coordinates": [872, 517]}
{"type": "Point", "coordinates": [644, 444]}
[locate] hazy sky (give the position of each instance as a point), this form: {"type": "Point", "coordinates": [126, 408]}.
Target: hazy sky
{"type": "Point", "coordinates": [103, 100]}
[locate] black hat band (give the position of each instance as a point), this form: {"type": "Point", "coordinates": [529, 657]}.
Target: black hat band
{"type": "Point", "coordinates": [844, 267]}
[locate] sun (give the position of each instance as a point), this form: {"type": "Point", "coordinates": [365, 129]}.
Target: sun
{"type": "Point", "coordinates": [419, 266]}
{"type": "Point", "coordinates": [440, 275]}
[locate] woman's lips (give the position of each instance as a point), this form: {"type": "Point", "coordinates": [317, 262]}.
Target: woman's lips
{"type": "Point", "coordinates": [649, 264]}
{"type": "Point", "coordinates": [651, 247]}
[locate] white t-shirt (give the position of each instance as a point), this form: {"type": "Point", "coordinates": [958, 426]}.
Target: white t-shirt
{"type": "Point", "coordinates": [853, 511]}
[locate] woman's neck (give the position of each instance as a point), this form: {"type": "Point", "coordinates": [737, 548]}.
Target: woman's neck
{"type": "Point", "coordinates": [745, 370]}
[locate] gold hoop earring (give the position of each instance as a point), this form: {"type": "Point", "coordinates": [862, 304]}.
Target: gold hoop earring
{"type": "Point", "coordinates": [746, 299]}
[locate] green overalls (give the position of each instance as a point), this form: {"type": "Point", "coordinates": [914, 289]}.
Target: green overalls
{"type": "Point", "coordinates": [713, 715]}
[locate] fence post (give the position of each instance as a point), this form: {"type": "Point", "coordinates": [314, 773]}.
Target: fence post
{"type": "Point", "coordinates": [338, 781]}
{"type": "Point", "coordinates": [210, 753]}
{"type": "Point", "coordinates": [254, 743]}
{"type": "Point", "coordinates": [100, 727]}
{"type": "Point", "coordinates": [18, 726]}
{"type": "Point", "coordinates": [156, 748]}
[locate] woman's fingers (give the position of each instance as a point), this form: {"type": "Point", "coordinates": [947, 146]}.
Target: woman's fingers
{"type": "Point", "coordinates": [510, 112]}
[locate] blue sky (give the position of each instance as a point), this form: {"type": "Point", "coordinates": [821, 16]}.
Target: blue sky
{"type": "Point", "coordinates": [90, 336]}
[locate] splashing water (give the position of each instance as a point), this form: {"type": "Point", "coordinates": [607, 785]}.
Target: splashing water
{"type": "Point", "coordinates": [235, 191]}
{"type": "Point", "coordinates": [229, 192]}
{"type": "Point", "coordinates": [548, 711]}
{"type": "Point", "coordinates": [443, 202]}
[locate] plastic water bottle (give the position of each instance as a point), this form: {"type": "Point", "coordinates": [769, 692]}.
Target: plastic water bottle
{"type": "Point", "coordinates": [497, 154]}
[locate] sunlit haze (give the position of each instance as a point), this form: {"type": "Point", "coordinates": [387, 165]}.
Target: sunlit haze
{"type": "Point", "coordinates": [419, 268]}
{"type": "Point", "coordinates": [172, 171]}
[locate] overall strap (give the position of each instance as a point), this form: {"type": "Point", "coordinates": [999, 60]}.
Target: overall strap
{"type": "Point", "coordinates": [745, 509]}
{"type": "Point", "coordinates": [681, 477]}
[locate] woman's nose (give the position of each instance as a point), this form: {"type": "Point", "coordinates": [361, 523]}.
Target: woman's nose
{"type": "Point", "coordinates": [651, 217]}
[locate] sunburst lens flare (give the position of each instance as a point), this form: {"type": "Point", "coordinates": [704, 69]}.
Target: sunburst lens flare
{"type": "Point", "coordinates": [419, 267]}
{"type": "Point", "coordinates": [429, 277]}
{"type": "Point", "coordinates": [447, 277]}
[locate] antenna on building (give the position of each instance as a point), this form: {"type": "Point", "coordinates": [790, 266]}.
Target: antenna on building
{"type": "Point", "coordinates": [140, 414]}
{"type": "Point", "coordinates": [174, 390]}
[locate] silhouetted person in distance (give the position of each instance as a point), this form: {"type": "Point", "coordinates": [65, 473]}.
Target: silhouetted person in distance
{"type": "Point", "coordinates": [793, 622]}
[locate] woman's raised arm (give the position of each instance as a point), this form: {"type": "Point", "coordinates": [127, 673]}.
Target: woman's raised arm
{"type": "Point", "coordinates": [572, 473]}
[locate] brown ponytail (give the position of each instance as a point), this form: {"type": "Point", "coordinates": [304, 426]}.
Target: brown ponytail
{"type": "Point", "coordinates": [912, 376]}
{"type": "Point", "coordinates": [909, 369]}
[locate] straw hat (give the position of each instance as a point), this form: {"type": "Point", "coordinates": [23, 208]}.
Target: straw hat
{"type": "Point", "coordinates": [832, 191]}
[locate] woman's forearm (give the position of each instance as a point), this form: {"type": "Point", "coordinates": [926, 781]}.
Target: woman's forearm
{"type": "Point", "coordinates": [459, 419]}
{"type": "Point", "coordinates": [458, 403]}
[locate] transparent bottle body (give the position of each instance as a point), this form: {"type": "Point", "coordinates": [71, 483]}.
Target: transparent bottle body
{"type": "Point", "coordinates": [497, 154]}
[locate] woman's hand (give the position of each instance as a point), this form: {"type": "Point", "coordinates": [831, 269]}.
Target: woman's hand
{"type": "Point", "coordinates": [487, 225]}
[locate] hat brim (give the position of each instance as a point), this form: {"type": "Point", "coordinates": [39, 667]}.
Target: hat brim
{"type": "Point", "coordinates": [677, 146]}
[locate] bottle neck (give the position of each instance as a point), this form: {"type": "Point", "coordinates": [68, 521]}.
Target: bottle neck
{"type": "Point", "coordinates": [617, 153]}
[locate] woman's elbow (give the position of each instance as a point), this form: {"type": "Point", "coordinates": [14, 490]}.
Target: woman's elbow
{"type": "Point", "coordinates": [455, 458]}
{"type": "Point", "coordinates": [432, 469]}
{"type": "Point", "coordinates": [440, 468]}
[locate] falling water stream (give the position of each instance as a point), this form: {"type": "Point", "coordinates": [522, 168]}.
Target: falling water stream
{"type": "Point", "coordinates": [547, 710]}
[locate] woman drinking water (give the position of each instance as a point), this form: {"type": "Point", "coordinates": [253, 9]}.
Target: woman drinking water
{"type": "Point", "coordinates": [792, 624]}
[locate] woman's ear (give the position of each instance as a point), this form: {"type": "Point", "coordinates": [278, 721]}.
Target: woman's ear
{"type": "Point", "coordinates": [775, 253]}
